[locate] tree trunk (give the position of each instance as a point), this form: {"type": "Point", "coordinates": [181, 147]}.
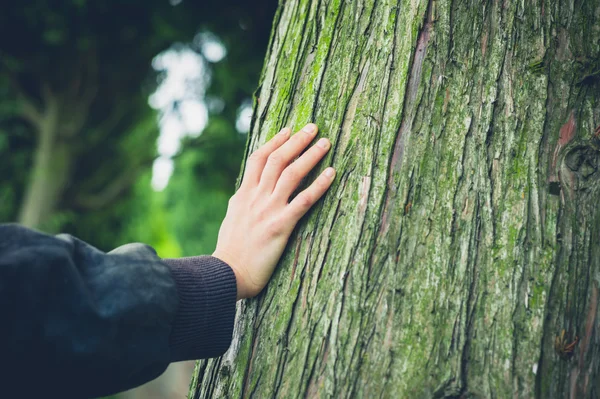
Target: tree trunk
{"type": "Point", "coordinates": [50, 170]}
{"type": "Point", "coordinates": [458, 252]}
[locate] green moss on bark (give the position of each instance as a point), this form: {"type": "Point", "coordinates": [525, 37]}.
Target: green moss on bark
{"type": "Point", "coordinates": [440, 263]}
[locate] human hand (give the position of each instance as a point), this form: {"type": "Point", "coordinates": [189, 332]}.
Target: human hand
{"type": "Point", "coordinates": [259, 219]}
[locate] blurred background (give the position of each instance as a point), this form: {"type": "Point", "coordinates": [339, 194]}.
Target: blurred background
{"type": "Point", "coordinates": [126, 121]}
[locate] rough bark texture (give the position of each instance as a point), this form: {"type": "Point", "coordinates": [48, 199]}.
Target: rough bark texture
{"type": "Point", "coordinates": [462, 235]}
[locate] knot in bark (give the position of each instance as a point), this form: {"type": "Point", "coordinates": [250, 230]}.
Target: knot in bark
{"type": "Point", "coordinates": [583, 162]}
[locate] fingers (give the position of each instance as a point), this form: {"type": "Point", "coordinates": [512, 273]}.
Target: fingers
{"type": "Point", "coordinates": [281, 158]}
{"type": "Point", "coordinates": [293, 174]}
{"type": "Point", "coordinates": [257, 160]}
{"type": "Point", "coordinates": [307, 198]}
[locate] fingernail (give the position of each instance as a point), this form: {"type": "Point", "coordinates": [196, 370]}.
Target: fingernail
{"type": "Point", "coordinates": [323, 143]}
{"type": "Point", "coordinates": [284, 132]}
{"type": "Point", "coordinates": [329, 172]}
{"type": "Point", "coordinates": [310, 128]}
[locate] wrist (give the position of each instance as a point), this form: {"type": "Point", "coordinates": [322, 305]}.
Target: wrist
{"type": "Point", "coordinates": [239, 280]}
{"type": "Point", "coordinates": [203, 324]}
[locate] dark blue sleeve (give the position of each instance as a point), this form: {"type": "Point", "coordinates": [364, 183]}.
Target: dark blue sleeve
{"type": "Point", "coordinates": [80, 323]}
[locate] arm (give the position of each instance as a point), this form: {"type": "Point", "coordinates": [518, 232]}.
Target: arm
{"type": "Point", "coordinates": [81, 323]}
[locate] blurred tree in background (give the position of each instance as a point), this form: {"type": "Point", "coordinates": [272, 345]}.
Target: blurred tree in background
{"type": "Point", "coordinates": [78, 137]}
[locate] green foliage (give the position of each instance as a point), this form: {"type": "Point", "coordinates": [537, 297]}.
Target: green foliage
{"type": "Point", "coordinates": [99, 74]}
{"type": "Point", "coordinates": [201, 186]}
{"type": "Point", "coordinates": [69, 50]}
{"type": "Point", "coordinates": [93, 59]}
{"type": "Point", "coordinates": [205, 174]}
{"type": "Point", "coordinates": [15, 155]}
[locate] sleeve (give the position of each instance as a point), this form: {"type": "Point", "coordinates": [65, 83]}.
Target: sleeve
{"type": "Point", "coordinates": [79, 323]}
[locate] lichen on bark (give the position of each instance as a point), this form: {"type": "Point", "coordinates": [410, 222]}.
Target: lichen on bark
{"type": "Point", "coordinates": [461, 236]}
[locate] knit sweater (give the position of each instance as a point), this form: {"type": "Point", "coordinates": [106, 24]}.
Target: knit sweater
{"type": "Point", "coordinates": [80, 323]}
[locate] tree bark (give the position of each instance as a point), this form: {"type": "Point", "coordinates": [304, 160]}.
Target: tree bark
{"type": "Point", "coordinates": [458, 252]}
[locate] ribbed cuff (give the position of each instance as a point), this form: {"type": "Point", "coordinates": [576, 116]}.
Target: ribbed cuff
{"type": "Point", "coordinates": [207, 292]}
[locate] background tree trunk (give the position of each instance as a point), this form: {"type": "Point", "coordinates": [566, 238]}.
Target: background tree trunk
{"type": "Point", "coordinates": [49, 172]}
{"type": "Point", "coordinates": [458, 252]}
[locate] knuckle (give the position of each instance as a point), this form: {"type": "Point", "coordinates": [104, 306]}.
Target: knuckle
{"type": "Point", "coordinates": [275, 159]}
{"type": "Point", "coordinates": [255, 156]}
{"type": "Point", "coordinates": [307, 139]}
{"type": "Point", "coordinates": [291, 174]}
{"type": "Point", "coordinates": [305, 200]}
{"type": "Point", "coordinates": [274, 228]}
{"type": "Point", "coordinates": [262, 214]}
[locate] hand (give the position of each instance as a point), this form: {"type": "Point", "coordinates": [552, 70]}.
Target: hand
{"type": "Point", "coordinates": [259, 219]}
